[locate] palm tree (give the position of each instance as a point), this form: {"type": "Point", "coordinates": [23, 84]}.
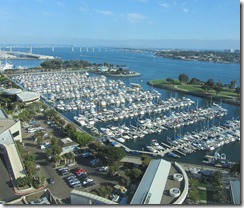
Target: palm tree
{"type": "Point", "coordinates": [57, 159]}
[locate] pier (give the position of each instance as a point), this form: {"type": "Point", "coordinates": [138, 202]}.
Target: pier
{"type": "Point", "coordinates": [29, 55]}
{"type": "Point", "coordinates": [23, 55]}
{"type": "Point", "coordinates": [161, 153]}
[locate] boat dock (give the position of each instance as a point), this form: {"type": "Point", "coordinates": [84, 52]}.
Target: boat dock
{"type": "Point", "coordinates": [161, 153]}
{"type": "Point", "coordinates": [175, 148]}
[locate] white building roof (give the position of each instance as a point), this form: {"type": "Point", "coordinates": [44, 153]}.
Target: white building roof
{"type": "Point", "coordinates": [12, 91]}
{"type": "Point", "coordinates": [28, 96]}
{"type": "Point", "coordinates": [151, 188]}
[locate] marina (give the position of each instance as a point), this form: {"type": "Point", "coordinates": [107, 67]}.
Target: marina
{"type": "Point", "coordinates": [118, 113]}
{"type": "Point", "coordinates": [142, 62]}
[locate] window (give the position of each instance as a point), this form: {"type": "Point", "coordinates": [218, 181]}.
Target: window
{"type": "Point", "coordinates": [15, 134]}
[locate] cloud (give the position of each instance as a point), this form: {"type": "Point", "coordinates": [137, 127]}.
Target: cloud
{"type": "Point", "coordinates": [84, 9]}
{"type": "Point", "coordinates": [184, 3]}
{"type": "Point", "coordinates": [39, 1]}
{"type": "Point", "coordinates": [142, 1]}
{"type": "Point", "coordinates": [60, 4]}
{"type": "Point", "coordinates": [4, 12]}
{"type": "Point", "coordinates": [185, 10]}
{"type": "Point", "coordinates": [164, 5]}
{"type": "Point", "coordinates": [104, 12]}
{"type": "Point", "coordinates": [44, 13]}
{"type": "Point", "coordinates": [135, 17]}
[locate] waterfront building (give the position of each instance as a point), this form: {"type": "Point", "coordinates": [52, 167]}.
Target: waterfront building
{"type": "Point", "coordinates": [235, 192]}
{"type": "Point", "coordinates": [28, 97]}
{"type": "Point", "coordinates": [67, 145]}
{"type": "Point", "coordinates": [22, 96]}
{"type": "Point", "coordinates": [10, 132]}
{"type": "Point", "coordinates": [42, 197]}
{"type": "Point", "coordinates": [162, 183]}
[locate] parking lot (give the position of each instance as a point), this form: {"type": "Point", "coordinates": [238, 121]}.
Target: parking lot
{"type": "Point", "coordinates": [60, 188]}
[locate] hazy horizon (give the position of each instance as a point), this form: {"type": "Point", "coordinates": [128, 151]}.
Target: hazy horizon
{"type": "Point", "coordinates": [193, 24]}
{"type": "Point", "coordinates": [142, 44]}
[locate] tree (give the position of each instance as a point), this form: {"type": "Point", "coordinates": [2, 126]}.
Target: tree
{"type": "Point", "coordinates": [235, 168]}
{"type": "Point", "coordinates": [57, 160]}
{"type": "Point", "coordinates": [54, 141]}
{"type": "Point", "coordinates": [170, 80]}
{"type": "Point", "coordinates": [194, 194]}
{"type": "Point", "coordinates": [49, 152]}
{"type": "Point", "coordinates": [195, 81]}
{"type": "Point", "coordinates": [95, 146]}
{"type": "Point", "coordinates": [111, 155]}
{"type": "Point", "coordinates": [104, 191]}
{"type": "Point", "coordinates": [238, 90]}
{"type": "Point", "coordinates": [30, 167]}
{"type": "Point", "coordinates": [217, 89]}
{"type": "Point", "coordinates": [125, 181]}
{"type": "Point", "coordinates": [183, 78]}
{"type": "Point", "coordinates": [57, 149]}
{"type": "Point", "coordinates": [145, 160]}
{"type": "Point", "coordinates": [233, 84]}
{"type": "Point", "coordinates": [22, 181]}
{"type": "Point", "coordinates": [210, 83]}
{"type": "Point", "coordinates": [137, 173]}
{"type": "Point", "coordinates": [70, 129]}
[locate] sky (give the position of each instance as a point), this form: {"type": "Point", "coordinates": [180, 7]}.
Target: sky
{"type": "Point", "coordinates": [122, 23]}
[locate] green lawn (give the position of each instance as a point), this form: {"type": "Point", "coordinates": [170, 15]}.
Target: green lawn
{"type": "Point", "coordinates": [192, 88]}
{"type": "Point", "coordinates": [225, 93]}
{"type": "Point", "coordinates": [202, 184]}
{"type": "Point", "coordinates": [203, 195]}
{"type": "Point", "coordinates": [164, 82]}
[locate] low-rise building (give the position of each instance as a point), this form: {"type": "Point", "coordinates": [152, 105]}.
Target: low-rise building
{"type": "Point", "coordinates": [67, 145]}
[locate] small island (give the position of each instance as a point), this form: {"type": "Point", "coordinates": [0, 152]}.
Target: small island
{"type": "Point", "coordinates": [227, 56]}
{"type": "Point", "coordinates": [228, 93]}
{"type": "Point", "coordinates": [73, 65]}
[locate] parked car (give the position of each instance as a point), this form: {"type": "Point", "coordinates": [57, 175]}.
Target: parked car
{"type": "Point", "coordinates": [74, 182]}
{"type": "Point", "coordinates": [87, 180]}
{"type": "Point", "coordinates": [103, 169]}
{"type": "Point", "coordinates": [89, 184]}
{"type": "Point", "coordinates": [95, 162]}
{"type": "Point", "coordinates": [78, 185]}
{"type": "Point", "coordinates": [51, 180]}
{"type": "Point", "coordinates": [87, 154]}
{"type": "Point", "coordinates": [63, 168]}
{"type": "Point", "coordinates": [80, 172]}
{"type": "Point", "coordinates": [70, 177]}
{"type": "Point", "coordinates": [64, 172]}
{"type": "Point", "coordinates": [83, 176]}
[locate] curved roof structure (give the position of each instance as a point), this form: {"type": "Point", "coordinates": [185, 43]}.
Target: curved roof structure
{"type": "Point", "coordinates": [28, 96]}
{"type": "Point", "coordinates": [12, 91]}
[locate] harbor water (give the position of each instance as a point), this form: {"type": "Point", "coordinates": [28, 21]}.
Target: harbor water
{"type": "Point", "coordinates": [151, 68]}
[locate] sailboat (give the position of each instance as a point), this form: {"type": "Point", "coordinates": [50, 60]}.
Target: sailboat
{"type": "Point", "coordinates": [5, 66]}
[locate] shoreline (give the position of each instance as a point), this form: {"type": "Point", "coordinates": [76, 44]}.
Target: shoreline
{"type": "Point", "coordinates": [136, 74]}
{"type": "Point", "coordinates": [208, 96]}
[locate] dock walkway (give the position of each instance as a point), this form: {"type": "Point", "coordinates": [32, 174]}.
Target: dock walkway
{"type": "Point", "coordinates": [162, 153]}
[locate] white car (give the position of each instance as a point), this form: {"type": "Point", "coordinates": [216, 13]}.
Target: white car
{"type": "Point", "coordinates": [74, 182]}
{"type": "Point", "coordinates": [88, 180]}
{"type": "Point", "coordinates": [103, 169]}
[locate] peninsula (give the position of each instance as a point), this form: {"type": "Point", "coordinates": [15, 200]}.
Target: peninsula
{"type": "Point", "coordinates": [206, 56]}
{"type": "Point", "coordinates": [218, 91]}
